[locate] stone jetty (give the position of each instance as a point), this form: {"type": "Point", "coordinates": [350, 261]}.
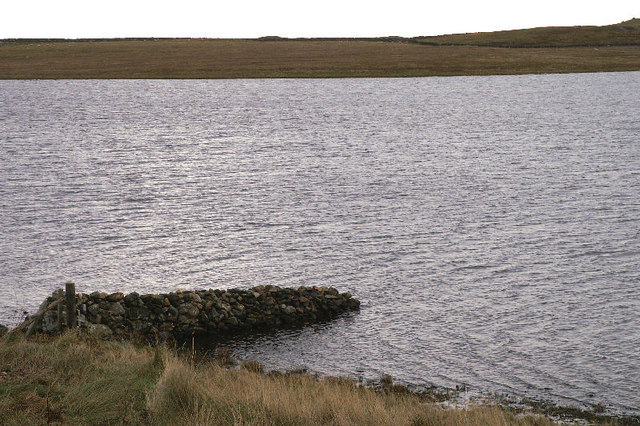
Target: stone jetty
{"type": "Point", "coordinates": [193, 312]}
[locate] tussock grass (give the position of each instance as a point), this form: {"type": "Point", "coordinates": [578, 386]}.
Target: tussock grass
{"type": "Point", "coordinates": [72, 380]}
{"type": "Point", "coordinates": [211, 394]}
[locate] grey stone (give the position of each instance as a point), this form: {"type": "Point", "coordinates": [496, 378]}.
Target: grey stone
{"type": "Point", "coordinates": [50, 322]}
{"type": "Point", "coordinates": [172, 312]}
{"type": "Point", "coordinates": [138, 313]}
{"type": "Point", "coordinates": [116, 309]}
{"type": "Point", "coordinates": [133, 299]}
{"type": "Point", "coordinates": [192, 297]}
{"type": "Point", "coordinates": [99, 331]}
{"type": "Point", "coordinates": [188, 310]}
{"type": "Point", "coordinates": [98, 295]}
{"type": "Point", "coordinates": [153, 299]}
{"type": "Point", "coordinates": [94, 309]}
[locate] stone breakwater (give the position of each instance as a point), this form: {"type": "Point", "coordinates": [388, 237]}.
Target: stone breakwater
{"type": "Point", "coordinates": [200, 312]}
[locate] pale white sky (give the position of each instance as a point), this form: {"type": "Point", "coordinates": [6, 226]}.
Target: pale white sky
{"type": "Point", "coordinates": [295, 18]}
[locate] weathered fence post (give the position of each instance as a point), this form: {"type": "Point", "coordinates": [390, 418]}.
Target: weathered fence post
{"type": "Point", "coordinates": [60, 322]}
{"type": "Point", "coordinates": [70, 292]}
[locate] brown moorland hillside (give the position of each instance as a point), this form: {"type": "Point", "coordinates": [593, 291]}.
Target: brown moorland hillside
{"type": "Point", "coordinates": [274, 57]}
{"type": "Point", "coordinates": [625, 33]}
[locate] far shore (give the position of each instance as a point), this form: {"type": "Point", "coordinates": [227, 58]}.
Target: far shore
{"type": "Point", "coordinates": [575, 49]}
{"type": "Point", "coordinates": [224, 59]}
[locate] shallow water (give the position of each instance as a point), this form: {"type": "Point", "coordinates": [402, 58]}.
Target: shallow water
{"type": "Point", "coordinates": [489, 225]}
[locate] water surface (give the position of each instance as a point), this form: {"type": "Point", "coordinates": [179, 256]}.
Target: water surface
{"type": "Point", "coordinates": [489, 225]}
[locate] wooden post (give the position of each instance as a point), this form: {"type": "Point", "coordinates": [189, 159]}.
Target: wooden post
{"type": "Point", "coordinates": [60, 323]}
{"type": "Point", "coordinates": [70, 292]}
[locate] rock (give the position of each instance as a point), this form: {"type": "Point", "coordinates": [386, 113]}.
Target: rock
{"type": "Point", "coordinates": [183, 319]}
{"type": "Point", "coordinates": [139, 313]}
{"type": "Point", "coordinates": [58, 294]}
{"type": "Point", "coordinates": [116, 308]}
{"type": "Point", "coordinates": [153, 299]}
{"type": "Point", "coordinates": [192, 297]}
{"type": "Point", "coordinates": [97, 295]}
{"type": "Point", "coordinates": [115, 297]}
{"type": "Point", "coordinates": [172, 312]}
{"type": "Point", "coordinates": [50, 322]}
{"type": "Point", "coordinates": [174, 299]}
{"type": "Point", "coordinates": [133, 299]}
{"type": "Point", "coordinates": [99, 331]}
{"type": "Point", "coordinates": [93, 309]}
{"type": "Point", "coordinates": [188, 310]}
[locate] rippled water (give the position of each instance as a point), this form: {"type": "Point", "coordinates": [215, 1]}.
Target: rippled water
{"type": "Point", "coordinates": [489, 225]}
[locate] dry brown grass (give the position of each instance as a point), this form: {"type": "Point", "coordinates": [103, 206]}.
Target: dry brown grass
{"type": "Point", "coordinates": [73, 380]}
{"type": "Point", "coordinates": [197, 58]}
{"type": "Point", "coordinates": [214, 395]}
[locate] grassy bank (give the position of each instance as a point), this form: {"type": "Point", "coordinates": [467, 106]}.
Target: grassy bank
{"type": "Point", "coordinates": [586, 49]}
{"type": "Point", "coordinates": [623, 34]}
{"type": "Point", "coordinates": [73, 380]}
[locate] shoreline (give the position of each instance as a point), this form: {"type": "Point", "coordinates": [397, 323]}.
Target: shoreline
{"type": "Point", "coordinates": [374, 77]}
{"type": "Point", "coordinates": [192, 349]}
{"type": "Point", "coordinates": [56, 378]}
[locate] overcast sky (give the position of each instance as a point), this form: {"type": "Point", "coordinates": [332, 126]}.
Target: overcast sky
{"type": "Point", "coordinates": [295, 18]}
